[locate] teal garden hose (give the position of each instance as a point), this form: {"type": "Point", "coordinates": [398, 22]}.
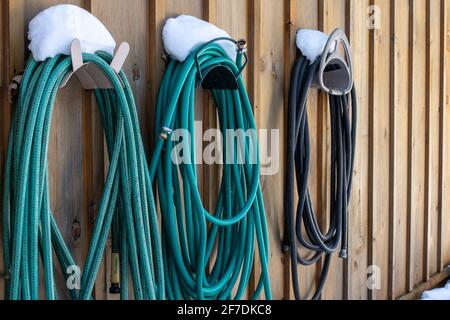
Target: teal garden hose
{"type": "Point", "coordinates": [208, 255]}
{"type": "Point", "coordinates": [29, 228]}
{"type": "Point", "coordinates": [302, 227]}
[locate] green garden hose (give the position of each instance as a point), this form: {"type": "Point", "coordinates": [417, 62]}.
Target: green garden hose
{"type": "Point", "coordinates": [208, 256]}
{"type": "Point", "coordinates": [29, 228]}
{"type": "Point", "coordinates": [302, 227]}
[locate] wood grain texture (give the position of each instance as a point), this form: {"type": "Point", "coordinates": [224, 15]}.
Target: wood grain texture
{"type": "Point", "coordinates": [444, 249]}
{"type": "Point", "coordinates": [332, 15]}
{"type": "Point", "coordinates": [6, 110]}
{"type": "Point", "coordinates": [134, 18]}
{"type": "Point", "coordinates": [307, 16]}
{"type": "Point", "coordinates": [66, 148]}
{"type": "Point", "coordinates": [3, 33]}
{"type": "Point", "coordinates": [254, 88]}
{"type": "Point", "coordinates": [358, 238]}
{"type": "Point", "coordinates": [271, 117]}
{"type": "Point", "coordinates": [417, 142]}
{"type": "Point", "coordinates": [433, 107]}
{"type": "Point", "coordinates": [380, 149]}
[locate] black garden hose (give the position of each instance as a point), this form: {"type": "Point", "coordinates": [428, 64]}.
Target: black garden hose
{"type": "Point", "coordinates": [343, 111]}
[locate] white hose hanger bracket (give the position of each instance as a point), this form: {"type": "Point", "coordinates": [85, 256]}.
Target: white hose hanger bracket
{"type": "Point", "coordinates": [13, 88]}
{"type": "Point", "coordinates": [335, 74]}
{"type": "Point", "coordinates": [91, 76]}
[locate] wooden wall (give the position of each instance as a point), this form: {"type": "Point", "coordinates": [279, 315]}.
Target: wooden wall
{"type": "Point", "coordinates": [400, 209]}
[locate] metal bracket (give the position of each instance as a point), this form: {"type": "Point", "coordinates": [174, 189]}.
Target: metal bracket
{"type": "Point", "coordinates": [221, 77]}
{"type": "Point", "coordinates": [335, 75]}
{"type": "Point", "coordinates": [89, 74]}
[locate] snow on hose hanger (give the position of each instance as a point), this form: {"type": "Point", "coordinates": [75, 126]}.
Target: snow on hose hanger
{"type": "Point", "coordinates": [52, 31]}
{"type": "Point", "coordinates": [332, 74]}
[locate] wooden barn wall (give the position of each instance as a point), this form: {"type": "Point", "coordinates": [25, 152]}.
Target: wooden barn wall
{"type": "Point", "coordinates": [400, 209]}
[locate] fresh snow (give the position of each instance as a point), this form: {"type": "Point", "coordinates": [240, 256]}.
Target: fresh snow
{"type": "Point", "coordinates": [312, 43]}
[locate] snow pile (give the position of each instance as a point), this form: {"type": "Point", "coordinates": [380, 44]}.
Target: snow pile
{"type": "Point", "coordinates": [312, 43]}
{"type": "Point", "coordinates": [184, 34]}
{"type": "Point", "coordinates": [52, 31]}
{"type": "Point", "coordinates": [438, 294]}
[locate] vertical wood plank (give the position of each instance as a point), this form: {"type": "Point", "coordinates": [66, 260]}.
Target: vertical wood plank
{"type": "Point", "coordinates": [4, 113]}
{"type": "Point", "coordinates": [333, 15]}
{"type": "Point", "coordinates": [254, 90]}
{"type": "Point", "coordinates": [270, 116]}
{"type": "Point", "coordinates": [433, 109]}
{"type": "Point", "coordinates": [66, 149]}
{"type": "Point", "coordinates": [357, 261]}
{"type": "Point", "coordinates": [133, 26]}
{"type": "Point", "coordinates": [417, 142]}
{"type": "Point", "coordinates": [399, 210]}
{"type": "Point", "coordinates": [307, 16]}
{"type": "Point", "coordinates": [234, 17]}
{"type": "Point", "coordinates": [92, 171]}
{"type": "Point", "coordinates": [3, 33]}
{"type": "Point", "coordinates": [380, 149]}
{"type": "Point", "coordinates": [255, 53]}
{"type": "Point", "coordinates": [237, 26]}
{"type": "Point", "coordinates": [155, 66]}
{"type": "Point", "coordinates": [210, 176]}
{"type": "Point", "coordinates": [444, 214]}
{"type": "Point", "coordinates": [290, 14]}
{"type": "Point", "coordinates": [132, 29]}
{"type": "Point", "coordinates": [194, 8]}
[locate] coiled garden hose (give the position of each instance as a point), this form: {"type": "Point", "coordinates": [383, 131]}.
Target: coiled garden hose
{"type": "Point", "coordinates": [29, 228]}
{"type": "Point", "coordinates": [208, 255]}
{"type": "Point", "coordinates": [343, 111]}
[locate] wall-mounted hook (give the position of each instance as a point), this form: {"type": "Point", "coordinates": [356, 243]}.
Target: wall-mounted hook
{"type": "Point", "coordinates": [219, 78]}
{"type": "Point", "coordinates": [89, 74]}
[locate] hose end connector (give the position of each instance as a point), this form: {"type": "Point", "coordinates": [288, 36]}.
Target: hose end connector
{"type": "Point", "coordinates": [114, 289]}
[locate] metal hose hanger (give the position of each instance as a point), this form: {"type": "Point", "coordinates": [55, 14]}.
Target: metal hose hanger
{"type": "Point", "coordinates": [30, 230]}
{"type": "Point", "coordinates": [208, 255]}
{"type": "Point", "coordinates": [302, 229]}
